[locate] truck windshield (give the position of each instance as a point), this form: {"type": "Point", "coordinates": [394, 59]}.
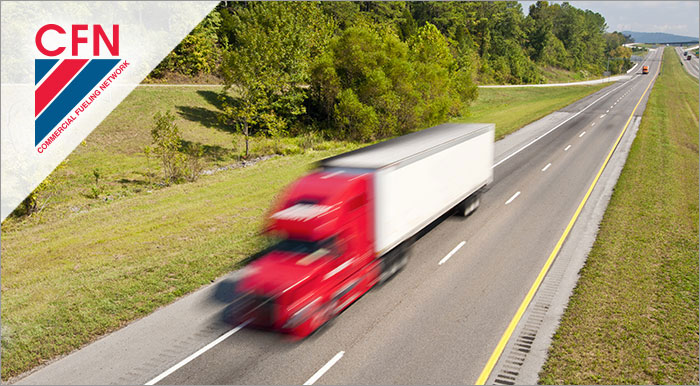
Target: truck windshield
{"type": "Point", "coordinates": [323, 247]}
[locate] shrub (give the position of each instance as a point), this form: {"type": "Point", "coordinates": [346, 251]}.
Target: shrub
{"type": "Point", "coordinates": [355, 120]}
{"type": "Point", "coordinates": [178, 162]}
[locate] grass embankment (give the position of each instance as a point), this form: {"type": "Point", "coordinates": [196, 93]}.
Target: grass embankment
{"type": "Point", "coordinates": [633, 318]}
{"type": "Point", "coordinates": [513, 108]}
{"type": "Point", "coordinates": [116, 146]}
{"type": "Point", "coordinates": [87, 266]}
{"type": "Point", "coordinates": [560, 75]}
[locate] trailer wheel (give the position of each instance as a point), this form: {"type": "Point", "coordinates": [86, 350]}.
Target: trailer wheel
{"type": "Point", "coordinates": [469, 205]}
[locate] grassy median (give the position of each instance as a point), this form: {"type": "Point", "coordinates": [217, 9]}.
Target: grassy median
{"type": "Point", "coordinates": [86, 266]}
{"type": "Point", "coordinates": [633, 318]}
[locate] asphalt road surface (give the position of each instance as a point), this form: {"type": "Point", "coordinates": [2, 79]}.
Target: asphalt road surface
{"type": "Point", "coordinates": [433, 323]}
{"type": "Point", "coordinates": [690, 65]}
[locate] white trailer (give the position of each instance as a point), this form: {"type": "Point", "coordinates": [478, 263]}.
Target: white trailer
{"type": "Point", "coordinates": [420, 176]}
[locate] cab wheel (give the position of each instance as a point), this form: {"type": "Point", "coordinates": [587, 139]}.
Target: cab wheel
{"type": "Point", "coordinates": [322, 318]}
{"type": "Point", "coordinates": [392, 264]}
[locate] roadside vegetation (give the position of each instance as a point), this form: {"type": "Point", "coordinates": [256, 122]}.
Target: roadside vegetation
{"type": "Point", "coordinates": [639, 50]}
{"type": "Point", "coordinates": [503, 42]}
{"type": "Point", "coordinates": [372, 70]}
{"type": "Point", "coordinates": [633, 317]}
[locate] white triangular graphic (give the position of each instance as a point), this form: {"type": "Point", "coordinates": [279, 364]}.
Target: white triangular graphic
{"type": "Point", "coordinates": [148, 32]}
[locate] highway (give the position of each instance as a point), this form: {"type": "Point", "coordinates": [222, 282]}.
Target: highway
{"type": "Point", "coordinates": [691, 66]}
{"type": "Point", "coordinates": [434, 323]}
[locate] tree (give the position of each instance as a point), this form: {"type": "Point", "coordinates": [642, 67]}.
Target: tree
{"type": "Point", "coordinates": [433, 63]}
{"type": "Point", "coordinates": [371, 85]}
{"type": "Point", "coordinates": [267, 64]}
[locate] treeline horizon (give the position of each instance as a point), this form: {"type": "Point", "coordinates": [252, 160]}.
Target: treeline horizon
{"type": "Point", "coordinates": [371, 70]}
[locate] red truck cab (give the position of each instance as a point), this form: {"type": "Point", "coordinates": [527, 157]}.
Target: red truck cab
{"type": "Point", "coordinates": [645, 69]}
{"type": "Point", "coordinates": [324, 259]}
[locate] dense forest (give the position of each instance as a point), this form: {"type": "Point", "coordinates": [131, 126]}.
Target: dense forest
{"type": "Point", "coordinates": [370, 70]}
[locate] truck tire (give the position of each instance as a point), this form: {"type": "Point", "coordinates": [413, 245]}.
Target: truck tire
{"type": "Point", "coordinates": [469, 205]}
{"type": "Point", "coordinates": [394, 262]}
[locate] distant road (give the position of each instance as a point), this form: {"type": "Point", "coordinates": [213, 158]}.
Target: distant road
{"type": "Point", "coordinates": [581, 83]}
{"type": "Point", "coordinates": [691, 66]}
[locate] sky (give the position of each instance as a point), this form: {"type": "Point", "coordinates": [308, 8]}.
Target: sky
{"type": "Point", "coordinates": [674, 17]}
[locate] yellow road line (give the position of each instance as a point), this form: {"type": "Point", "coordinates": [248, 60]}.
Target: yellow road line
{"type": "Point", "coordinates": [540, 277]}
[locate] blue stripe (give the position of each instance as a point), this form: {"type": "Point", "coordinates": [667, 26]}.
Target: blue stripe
{"type": "Point", "coordinates": [71, 95]}
{"type": "Point", "coordinates": [41, 67]}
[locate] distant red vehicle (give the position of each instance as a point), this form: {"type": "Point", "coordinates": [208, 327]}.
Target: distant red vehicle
{"type": "Point", "coordinates": [645, 70]}
{"type": "Point", "coordinates": [348, 225]}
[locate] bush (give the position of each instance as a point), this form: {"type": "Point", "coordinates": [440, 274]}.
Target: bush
{"type": "Point", "coordinates": [193, 164]}
{"type": "Point", "coordinates": [354, 119]}
{"type": "Point", "coordinates": [178, 162]}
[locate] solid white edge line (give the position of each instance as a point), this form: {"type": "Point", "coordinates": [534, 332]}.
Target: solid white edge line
{"type": "Point", "coordinates": [556, 127]}
{"type": "Point", "coordinates": [567, 148]}
{"type": "Point", "coordinates": [582, 134]}
{"type": "Point", "coordinates": [452, 252]}
{"type": "Point", "coordinates": [513, 197]}
{"type": "Point", "coordinates": [325, 368]}
{"type": "Point", "coordinates": [547, 167]}
{"type": "Point", "coordinates": [196, 354]}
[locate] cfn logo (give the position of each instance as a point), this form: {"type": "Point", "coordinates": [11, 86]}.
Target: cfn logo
{"type": "Point", "coordinates": [78, 36]}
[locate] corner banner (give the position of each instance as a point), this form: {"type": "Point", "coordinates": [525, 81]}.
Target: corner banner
{"type": "Point", "coordinates": [65, 66]}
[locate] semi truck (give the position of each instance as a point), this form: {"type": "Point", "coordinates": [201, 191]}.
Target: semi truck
{"type": "Point", "coordinates": [645, 69]}
{"type": "Point", "coordinates": [349, 224]}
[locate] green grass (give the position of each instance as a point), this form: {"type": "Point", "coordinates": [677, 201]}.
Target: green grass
{"type": "Point", "coordinates": [633, 317]}
{"type": "Point", "coordinates": [559, 75]}
{"type": "Point", "coordinates": [86, 266]}
{"type": "Point", "coordinates": [513, 108]}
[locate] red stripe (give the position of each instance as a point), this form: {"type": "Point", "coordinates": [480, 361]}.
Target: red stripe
{"type": "Point", "coordinates": [55, 82]}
